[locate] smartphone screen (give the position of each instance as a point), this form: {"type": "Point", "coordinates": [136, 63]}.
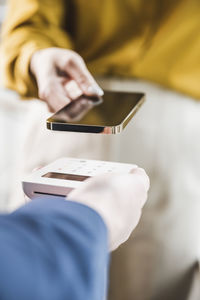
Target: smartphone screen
{"type": "Point", "coordinates": [99, 115]}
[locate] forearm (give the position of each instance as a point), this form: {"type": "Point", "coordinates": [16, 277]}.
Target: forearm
{"type": "Point", "coordinates": [53, 248]}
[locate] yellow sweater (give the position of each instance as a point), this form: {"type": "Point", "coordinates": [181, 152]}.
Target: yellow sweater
{"type": "Point", "coordinates": [153, 40]}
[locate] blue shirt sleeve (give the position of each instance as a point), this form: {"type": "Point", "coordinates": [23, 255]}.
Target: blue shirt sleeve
{"type": "Point", "coordinates": [52, 249]}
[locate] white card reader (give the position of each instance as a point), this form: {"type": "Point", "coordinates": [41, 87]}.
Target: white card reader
{"type": "Point", "coordinates": [65, 174]}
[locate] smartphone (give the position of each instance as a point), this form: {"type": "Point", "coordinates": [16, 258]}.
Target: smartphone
{"type": "Point", "coordinates": [107, 115]}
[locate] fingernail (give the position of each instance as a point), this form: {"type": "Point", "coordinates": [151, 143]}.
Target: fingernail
{"type": "Point", "coordinates": [95, 90]}
{"type": "Point", "coordinates": [75, 94]}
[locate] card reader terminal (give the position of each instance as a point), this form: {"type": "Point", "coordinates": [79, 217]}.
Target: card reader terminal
{"type": "Point", "coordinates": [65, 174]}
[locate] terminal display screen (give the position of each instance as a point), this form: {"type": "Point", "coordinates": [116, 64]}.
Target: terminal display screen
{"type": "Point", "coordinates": [65, 176]}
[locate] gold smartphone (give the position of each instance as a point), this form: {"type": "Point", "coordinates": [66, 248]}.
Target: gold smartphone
{"type": "Point", "coordinates": [107, 115]}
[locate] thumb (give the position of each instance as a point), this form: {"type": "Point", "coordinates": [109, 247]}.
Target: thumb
{"type": "Point", "coordinates": [142, 175]}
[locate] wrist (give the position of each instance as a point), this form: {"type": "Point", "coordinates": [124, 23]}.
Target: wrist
{"type": "Point", "coordinates": [33, 63]}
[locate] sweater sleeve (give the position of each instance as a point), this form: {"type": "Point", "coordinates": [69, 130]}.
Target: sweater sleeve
{"type": "Point", "coordinates": [53, 249]}
{"type": "Point", "coordinates": [30, 25]}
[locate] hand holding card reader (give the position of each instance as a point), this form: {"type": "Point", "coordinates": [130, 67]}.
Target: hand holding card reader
{"type": "Point", "coordinates": [65, 174]}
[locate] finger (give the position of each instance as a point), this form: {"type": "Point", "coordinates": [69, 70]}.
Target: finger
{"type": "Point", "coordinates": [77, 69]}
{"type": "Point", "coordinates": [72, 89]}
{"type": "Point", "coordinates": [133, 168]}
{"type": "Point", "coordinates": [133, 185]}
{"type": "Point", "coordinates": [143, 177]}
{"type": "Point", "coordinates": [57, 101]}
{"type": "Point", "coordinates": [53, 93]}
